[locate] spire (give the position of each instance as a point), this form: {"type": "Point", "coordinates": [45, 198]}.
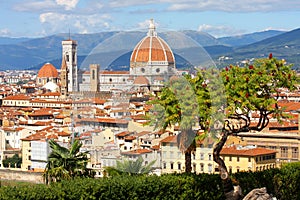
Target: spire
{"type": "Point", "coordinates": [63, 64]}
{"type": "Point", "coordinates": [151, 31]}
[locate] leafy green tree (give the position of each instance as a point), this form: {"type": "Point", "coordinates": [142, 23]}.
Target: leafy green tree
{"type": "Point", "coordinates": [177, 104]}
{"type": "Point", "coordinates": [66, 163]}
{"type": "Point", "coordinates": [14, 161]}
{"type": "Point", "coordinates": [226, 99]}
{"type": "Point", "coordinates": [130, 167]}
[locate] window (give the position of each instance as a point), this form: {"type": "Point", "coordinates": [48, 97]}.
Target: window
{"type": "Point", "coordinates": [157, 70]}
{"type": "Point", "coordinates": [230, 158]}
{"type": "Point", "coordinates": [29, 157]}
{"type": "Point", "coordinates": [295, 152]}
{"type": "Point", "coordinates": [172, 165]}
{"type": "Point", "coordinates": [202, 167]}
{"type": "Point", "coordinates": [194, 167]}
{"type": "Point", "coordinates": [93, 75]}
{"type": "Point", "coordinates": [209, 156]}
{"type": "Point", "coordinates": [146, 155]}
{"type": "Point", "coordinates": [179, 166]}
{"type": "Point", "coordinates": [284, 152]}
{"type": "Point", "coordinates": [143, 70]}
{"type": "Point", "coordinates": [209, 168]}
{"type": "Point", "coordinates": [194, 156]}
{"type": "Point", "coordinates": [237, 169]}
{"type": "Point", "coordinates": [238, 159]}
{"type": "Point", "coordinates": [249, 159]}
{"type": "Point", "coordinates": [164, 165]}
{"type": "Point", "coordinates": [201, 156]}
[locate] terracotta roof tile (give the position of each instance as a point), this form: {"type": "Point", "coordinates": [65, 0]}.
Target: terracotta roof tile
{"type": "Point", "coordinates": [246, 152]}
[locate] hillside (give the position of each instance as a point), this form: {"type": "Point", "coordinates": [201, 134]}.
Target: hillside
{"type": "Point", "coordinates": [285, 46]}
{"type": "Point", "coordinates": [28, 53]}
{"type": "Point", "coordinates": [241, 40]}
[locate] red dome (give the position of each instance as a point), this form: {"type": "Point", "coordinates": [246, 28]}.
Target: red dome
{"type": "Point", "coordinates": [152, 48]}
{"type": "Point", "coordinates": [47, 71]}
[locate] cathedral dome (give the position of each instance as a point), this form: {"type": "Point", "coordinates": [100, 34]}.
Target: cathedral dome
{"type": "Point", "coordinates": [151, 49]}
{"type": "Point", "coordinates": [48, 71]}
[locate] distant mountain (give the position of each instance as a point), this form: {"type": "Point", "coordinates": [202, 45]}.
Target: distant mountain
{"type": "Point", "coordinates": [102, 47]}
{"type": "Point", "coordinates": [246, 39]}
{"type": "Point", "coordinates": [285, 46]}
{"type": "Point", "coordinates": [8, 40]}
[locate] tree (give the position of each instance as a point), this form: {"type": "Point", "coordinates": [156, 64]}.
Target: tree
{"type": "Point", "coordinates": [225, 109]}
{"type": "Point", "coordinates": [178, 104]}
{"type": "Point", "coordinates": [254, 88]}
{"type": "Point", "coordinates": [130, 167]}
{"type": "Point", "coordinates": [66, 163]}
{"type": "Point", "coordinates": [14, 162]}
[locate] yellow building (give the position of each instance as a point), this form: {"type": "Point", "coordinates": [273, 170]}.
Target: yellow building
{"type": "Point", "coordinates": [248, 158]}
{"type": "Point", "coordinates": [173, 160]}
{"type": "Point", "coordinates": [285, 143]}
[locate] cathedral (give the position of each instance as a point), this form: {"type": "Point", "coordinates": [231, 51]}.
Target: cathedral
{"type": "Point", "coordinates": [152, 62]}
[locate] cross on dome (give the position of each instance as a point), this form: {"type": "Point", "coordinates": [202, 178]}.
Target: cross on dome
{"type": "Point", "coordinates": [151, 31]}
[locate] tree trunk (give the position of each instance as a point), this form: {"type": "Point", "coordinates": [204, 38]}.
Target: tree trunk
{"type": "Point", "coordinates": [188, 161]}
{"type": "Point", "coordinates": [231, 192]}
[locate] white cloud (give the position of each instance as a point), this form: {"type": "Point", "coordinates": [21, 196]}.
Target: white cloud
{"type": "Point", "coordinates": [5, 32]}
{"type": "Point", "coordinates": [68, 4]}
{"type": "Point", "coordinates": [213, 5]}
{"type": "Point", "coordinates": [235, 6]}
{"type": "Point", "coordinates": [35, 6]}
{"type": "Point", "coordinates": [219, 31]}
{"type": "Point", "coordinates": [56, 22]}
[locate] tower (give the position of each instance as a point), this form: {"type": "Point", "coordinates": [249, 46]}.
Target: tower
{"type": "Point", "coordinates": [69, 52]}
{"type": "Point", "coordinates": [94, 77]}
{"type": "Point", "coordinates": [64, 78]}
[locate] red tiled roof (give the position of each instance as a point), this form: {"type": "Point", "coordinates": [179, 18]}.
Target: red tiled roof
{"type": "Point", "coordinates": [122, 134]}
{"type": "Point", "coordinates": [105, 120]}
{"type": "Point", "coordinates": [246, 152]}
{"type": "Point", "coordinates": [17, 97]}
{"type": "Point", "coordinates": [137, 152]}
{"type": "Point", "coordinates": [169, 139]}
{"type": "Point", "coordinates": [130, 137]}
{"type": "Point", "coordinates": [47, 70]}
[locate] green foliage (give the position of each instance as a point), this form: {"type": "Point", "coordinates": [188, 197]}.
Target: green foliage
{"type": "Point", "coordinates": [66, 163]}
{"type": "Point", "coordinates": [130, 167]}
{"type": "Point", "coordinates": [287, 182]}
{"type": "Point", "coordinates": [256, 87]}
{"type": "Point", "coordinates": [13, 162]}
{"type": "Point", "coordinates": [281, 183]}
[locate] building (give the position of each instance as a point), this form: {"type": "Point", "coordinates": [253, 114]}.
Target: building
{"type": "Point", "coordinates": [69, 53]}
{"type": "Point", "coordinates": [173, 159]}
{"type": "Point", "coordinates": [248, 158]}
{"type": "Point", "coordinates": [47, 73]}
{"type": "Point", "coordinates": [152, 62]}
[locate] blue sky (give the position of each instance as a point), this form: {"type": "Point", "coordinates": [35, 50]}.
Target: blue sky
{"type": "Point", "coordinates": [36, 18]}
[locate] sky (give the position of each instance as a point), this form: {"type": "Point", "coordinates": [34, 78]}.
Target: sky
{"type": "Point", "coordinates": [37, 18]}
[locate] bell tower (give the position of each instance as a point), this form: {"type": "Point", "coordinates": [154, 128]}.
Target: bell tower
{"type": "Point", "coordinates": [94, 77]}
{"type": "Point", "coordinates": [64, 78]}
{"type": "Point", "coordinates": [69, 53]}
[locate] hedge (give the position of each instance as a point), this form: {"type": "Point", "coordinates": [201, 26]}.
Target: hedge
{"type": "Point", "coordinates": [281, 183]}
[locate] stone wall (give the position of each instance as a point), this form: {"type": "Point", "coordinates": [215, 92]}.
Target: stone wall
{"type": "Point", "coordinates": [17, 175]}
